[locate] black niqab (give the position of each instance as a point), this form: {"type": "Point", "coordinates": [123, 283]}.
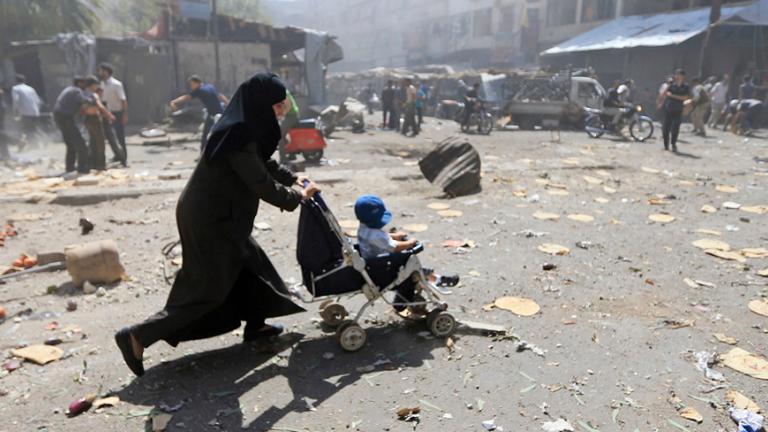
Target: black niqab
{"type": "Point", "coordinates": [248, 118]}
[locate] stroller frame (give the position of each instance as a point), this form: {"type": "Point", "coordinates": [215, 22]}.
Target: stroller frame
{"type": "Point", "coordinates": [349, 333]}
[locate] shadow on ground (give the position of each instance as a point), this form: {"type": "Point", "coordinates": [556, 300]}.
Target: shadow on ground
{"type": "Point", "coordinates": [211, 383]}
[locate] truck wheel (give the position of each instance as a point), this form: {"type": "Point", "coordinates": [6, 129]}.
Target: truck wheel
{"type": "Point", "coordinates": [526, 124]}
{"type": "Point", "coordinates": [313, 156]}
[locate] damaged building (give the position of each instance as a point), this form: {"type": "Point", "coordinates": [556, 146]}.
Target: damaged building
{"type": "Point", "coordinates": [647, 48]}
{"type": "Point", "coordinates": [154, 65]}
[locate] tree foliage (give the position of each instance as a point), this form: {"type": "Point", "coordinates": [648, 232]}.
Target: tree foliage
{"type": "Point", "coordinates": [41, 19]}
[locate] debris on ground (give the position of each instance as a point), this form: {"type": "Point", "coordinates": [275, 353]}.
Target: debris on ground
{"type": "Point", "coordinates": [96, 262]}
{"type": "Point", "coordinates": [81, 405]}
{"type": "Point", "coordinates": [748, 421]}
{"type": "Point", "coordinates": [40, 354]}
{"type": "Point", "coordinates": [553, 249]}
{"type": "Point", "coordinates": [759, 307]}
{"type": "Point", "coordinates": [740, 401]}
{"type": "Point", "coordinates": [559, 425]}
{"type": "Point", "coordinates": [747, 363]}
{"type": "Point", "coordinates": [704, 361]}
{"type": "Point", "coordinates": [454, 165]}
{"type": "Point", "coordinates": [518, 305]}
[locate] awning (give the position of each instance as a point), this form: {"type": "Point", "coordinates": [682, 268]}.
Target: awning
{"type": "Point", "coordinates": [756, 14]}
{"type": "Point", "coordinates": [645, 31]}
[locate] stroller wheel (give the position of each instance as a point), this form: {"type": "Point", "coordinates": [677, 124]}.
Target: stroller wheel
{"type": "Point", "coordinates": [441, 324]}
{"type": "Point", "coordinates": [351, 336]}
{"type": "Point", "coordinates": [334, 314]}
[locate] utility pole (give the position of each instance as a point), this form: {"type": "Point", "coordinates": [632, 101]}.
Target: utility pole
{"type": "Point", "coordinates": [714, 18]}
{"type": "Point", "coordinates": [215, 20]}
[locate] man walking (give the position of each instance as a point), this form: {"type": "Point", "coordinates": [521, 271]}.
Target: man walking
{"type": "Point", "coordinates": [115, 101]}
{"type": "Point", "coordinates": [387, 104]}
{"type": "Point", "coordinates": [409, 109]}
{"type": "Point", "coordinates": [26, 105]}
{"type": "Point", "coordinates": [719, 98]}
{"type": "Point", "coordinates": [98, 121]}
{"type": "Point", "coordinates": [701, 105]}
{"type": "Point", "coordinates": [677, 96]}
{"type": "Point", "coordinates": [213, 101]}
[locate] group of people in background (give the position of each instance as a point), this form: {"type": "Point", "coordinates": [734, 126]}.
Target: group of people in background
{"type": "Point", "coordinates": [403, 106]}
{"type": "Point", "coordinates": [707, 103]}
{"type": "Point", "coordinates": [100, 105]}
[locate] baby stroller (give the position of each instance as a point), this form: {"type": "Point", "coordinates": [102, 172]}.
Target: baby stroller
{"type": "Point", "coordinates": [333, 268]}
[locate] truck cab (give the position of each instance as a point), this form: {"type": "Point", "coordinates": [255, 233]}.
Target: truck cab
{"type": "Point", "coordinates": [587, 92]}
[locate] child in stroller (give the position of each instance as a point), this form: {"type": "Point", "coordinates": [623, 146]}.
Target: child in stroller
{"type": "Point", "coordinates": [374, 243]}
{"type": "Point", "coordinates": [333, 267]}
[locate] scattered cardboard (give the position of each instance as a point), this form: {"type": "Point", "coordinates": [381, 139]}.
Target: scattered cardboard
{"type": "Point", "coordinates": [542, 215]}
{"type": "Point", "coordinates": [662, 218]}
{"type": "Point", "coordinates": [726, 255]}
{"type": "Point", "coordinates": [739, 401]}
{"type": "Point", "coordinates": [581, 218]}
{"type": "Point", "coordinates": [416, 228]}
{"type": "Point", "coordinates": [518, 305]}
{"type": "Point", "coordinates": [707, 244]}
{"type": "Point", "coordinates": [450, 213]}
{"type": "Point", "coordinates": [40, 354]}
{"type": "Point", "coordinates": [438, 206]}
{"type": "Point", "coordinates": [759, 307]}
{"type": "Point", "coordinates": [553, 249]}
{"type": "Point", "coordinates": [727, 189]}
{"type": "Point", "coordinates": [746, 363]}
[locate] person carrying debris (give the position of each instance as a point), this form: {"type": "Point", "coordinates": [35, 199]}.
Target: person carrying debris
{"type": "Point", "coordinates": [374, 242]}
{"type": "Point", "coordinates": [94, 111]}
{"type": "Point", "coordinates": [213, 102]}
{"type": "Point", "coordinates": [719, 95]}
{"type": "Point", "coordinates": [226, 277]}
{"type": "Point", "coordinates": [747, 115]}
{"type": "Point", "coordinates": [409, 109]}
{"type": "Point", "coordinates": [68, 107]}
{"type": "Point", "coordinates": [678, 95]}
{"type": "Point", "coordinates": [701, 105]}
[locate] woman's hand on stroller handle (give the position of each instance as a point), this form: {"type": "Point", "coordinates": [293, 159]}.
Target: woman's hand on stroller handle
{"type": "Point", "coordinates": [310, 189]}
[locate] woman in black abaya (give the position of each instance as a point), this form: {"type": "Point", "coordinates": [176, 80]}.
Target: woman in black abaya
{"type": "Point", "coordinates": [225, 276]}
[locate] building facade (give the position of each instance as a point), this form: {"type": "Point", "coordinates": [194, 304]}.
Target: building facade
{"type": "Point", "coordinates": [463, 33]}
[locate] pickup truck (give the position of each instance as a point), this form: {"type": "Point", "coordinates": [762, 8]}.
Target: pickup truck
{"type": "Point", "coordinates": [551, 102]}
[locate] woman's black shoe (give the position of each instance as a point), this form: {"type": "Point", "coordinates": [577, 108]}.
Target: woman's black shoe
{"type": "Point", "coordinates": [263, 333]}
{"type": "Point", "coordinates": [123, 340]}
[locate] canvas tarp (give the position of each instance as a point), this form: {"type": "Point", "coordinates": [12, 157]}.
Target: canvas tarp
{"type": "Point", "coordinates": [643, 31]}
{"type": "Point", "coordinates": [755, 14]}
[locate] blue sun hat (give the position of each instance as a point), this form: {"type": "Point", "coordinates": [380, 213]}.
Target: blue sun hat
{"type": "Point", "coordinates": [371, 212]}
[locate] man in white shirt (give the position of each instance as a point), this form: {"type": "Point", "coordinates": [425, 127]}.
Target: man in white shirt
{"type": "Point", "coordinates": [719, 100]}
{"type": "Point", "coordinates": [26, 106]}
{"type": "Point", "coordinates": [116, 102]}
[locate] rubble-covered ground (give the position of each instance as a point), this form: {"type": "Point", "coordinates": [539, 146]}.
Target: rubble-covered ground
{"type": "Point", "coordinates": [624, 313]}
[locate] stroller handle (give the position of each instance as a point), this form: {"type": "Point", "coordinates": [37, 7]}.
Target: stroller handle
{"type": "Point", "coordinates": [317, 198]}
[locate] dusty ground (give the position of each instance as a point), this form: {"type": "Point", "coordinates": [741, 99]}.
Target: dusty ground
{"type": "Point", "coordinates": [610, 362]}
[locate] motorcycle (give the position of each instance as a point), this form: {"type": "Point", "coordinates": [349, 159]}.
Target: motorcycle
{"type": "Point", "coordinates": [598, 123]}
{"type": "Point", "coordinates": [480, 118]}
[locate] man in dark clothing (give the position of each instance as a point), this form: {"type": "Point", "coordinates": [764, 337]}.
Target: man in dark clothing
{"type": "Point", "coordinates": [387, 104]}
{"type": "Point", "coordinates": [747, 89]}
{"type": "Point", "coordinates": [67, 107]}
{"type": "Point", "coordinates": [470, 99]}
{"type": "Point", "coordinates": [212, 100]}
{"type": "Point", "coordinates": [677, 96]}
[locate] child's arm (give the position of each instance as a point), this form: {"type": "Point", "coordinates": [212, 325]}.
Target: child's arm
{"type": "Point", "coordinates": [405, 245]}
{"type": "Point", "coordinates": [399, 236]}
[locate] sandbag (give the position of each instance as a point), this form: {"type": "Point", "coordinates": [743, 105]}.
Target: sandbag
{"type": "Point", "coordinates": [96, 262]}
{"type": "Point", "coordinates": [454, 165]}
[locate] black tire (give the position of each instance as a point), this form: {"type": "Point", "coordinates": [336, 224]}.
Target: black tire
{"type": "Point", "coordinates": [641, 130]}
{"type": "Point", "coordinates": [313, 156]}
{"type": "Point", "coordinates": [596, 123]}
{"type": "Point", "coordinates": [526, 124]}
